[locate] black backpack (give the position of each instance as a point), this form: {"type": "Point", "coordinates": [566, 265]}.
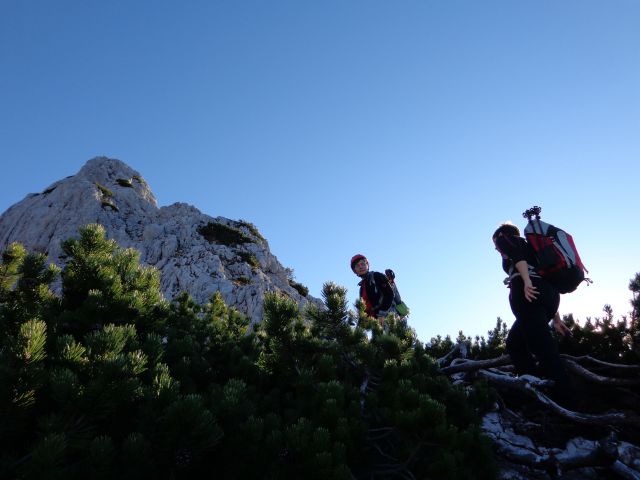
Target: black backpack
{"type": "Point", "coordinates": [558, 259]}
{"type": "Point", "coordinates": [399, 305]}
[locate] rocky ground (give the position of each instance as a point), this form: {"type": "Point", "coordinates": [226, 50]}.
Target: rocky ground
{"type": "Point", "coordinates": [537, 438]}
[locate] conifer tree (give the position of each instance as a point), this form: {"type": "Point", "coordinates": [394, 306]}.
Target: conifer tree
{"type": "Point", "coordinates": [103, 283]}
{"type": "Point", "coordinates": [112, 381]}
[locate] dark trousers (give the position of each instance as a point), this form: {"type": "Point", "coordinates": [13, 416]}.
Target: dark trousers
{"type": "Point", "coordinates": [530, 338]}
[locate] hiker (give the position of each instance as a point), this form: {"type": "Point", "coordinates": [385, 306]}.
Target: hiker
{"type": "Point", "coordinates": [375, 290]}
{"type": "Point", "coordinates": [533, 301]}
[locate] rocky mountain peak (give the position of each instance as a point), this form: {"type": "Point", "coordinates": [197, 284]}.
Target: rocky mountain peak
{"type": "Point", "coordinates": [194, 252]}
{"type": "Point", "coordinates": [109, 171]}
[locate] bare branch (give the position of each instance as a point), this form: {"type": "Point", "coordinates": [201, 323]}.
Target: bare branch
{"type": "Point", "coordinates": [625, 471]}
{"type": "Point", "coordinates": [516, 443]}
{"type": "Point", "coordinates": [386, 455]}
{"type": "Point", "coordinates": [459, 347]}
{"type": "Point", "coordinates": [630, 454]}
{"type": "Point", "coordinates": [600, 363]}
{"type": "Point", "coordinates": [527, 385]}
{"type": "Point", "coordinates": [363, 390]}
{"type": "Point", "coordinates": [379, 433]}
{"type": "Point", "coordinates": [578, 452]}
{"type": "Point", "coordinates": [520, 382]}
{"type": "Point", "coordinates": [594, 377]}
{"type": "Point", "coordinates": [472, 365]}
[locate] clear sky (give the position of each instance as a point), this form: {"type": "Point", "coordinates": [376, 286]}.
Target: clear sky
{"type": "Point", "coordinates": [404, 130]}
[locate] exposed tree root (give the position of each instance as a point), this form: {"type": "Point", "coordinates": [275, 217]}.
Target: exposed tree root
{"type": "Point", "coordinates": [537, 437]}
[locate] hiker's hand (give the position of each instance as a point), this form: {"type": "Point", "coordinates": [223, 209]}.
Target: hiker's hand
{"type": "Point", "coordinates": [561, 328]}
{"type": "Point", "coordinates": [530, 292]}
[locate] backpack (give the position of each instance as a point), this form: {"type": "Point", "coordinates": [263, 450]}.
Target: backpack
{"type": "Point", "coordinates": [558, 259]}
{"type": "Point", "coordinates": [398, 304]}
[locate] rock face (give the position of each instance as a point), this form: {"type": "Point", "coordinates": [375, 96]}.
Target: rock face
{"type": "Point", "coordinates": [193, 251]}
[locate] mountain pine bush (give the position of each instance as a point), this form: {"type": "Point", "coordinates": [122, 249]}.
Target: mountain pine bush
{"type": "Point", "coordinates": [109, 380]}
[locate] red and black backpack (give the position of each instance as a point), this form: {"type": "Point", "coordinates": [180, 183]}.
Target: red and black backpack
{"type": "Point", "coordinates": [558, 259]}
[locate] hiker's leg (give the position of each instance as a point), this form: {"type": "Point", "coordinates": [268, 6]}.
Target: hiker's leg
{"type": "Point", "coordinates": [518, 350]}
{"type": "Point", "coordinates": [544, 347]}
{"type": "Point", "coordinates": [538, 334]}
{"type": "Point", "coordinates": [533, 318]}
{"type": "Point", "coordinates": [533, 324]}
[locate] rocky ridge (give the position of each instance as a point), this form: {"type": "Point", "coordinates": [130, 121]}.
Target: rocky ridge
{"type": "Point", "coordinates": [194, 252]}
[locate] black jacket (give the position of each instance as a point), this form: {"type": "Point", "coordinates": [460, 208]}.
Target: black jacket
{"type": "Point", "coordinates": [376, 292]}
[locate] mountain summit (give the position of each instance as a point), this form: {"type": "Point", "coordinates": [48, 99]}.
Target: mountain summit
{"type": "Point", "coordinates": [194, 252]}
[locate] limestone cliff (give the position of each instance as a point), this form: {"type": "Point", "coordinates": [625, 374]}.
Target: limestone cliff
{"type": "Point", "coordinates": [193, 251]}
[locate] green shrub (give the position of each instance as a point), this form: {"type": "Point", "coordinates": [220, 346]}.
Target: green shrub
{"type": "Point", "coordinates": [250, 259]}
{"type": "Point", "coordinates": [242, 280]}
{"type": "Point", "coordinates": [302, 290]}
{"type": "Point", "coordinates": [139, 179]}
{"type": "Point", "coordinates": [104, 190]}
{"type": "Point", "coordinates": [111, 381]}
{"type": "Point", "coordinates": [111, 205]}
{"type": "Point", "coordinates": [223, 234]}
{"type": "Point", "coordinates": [253, 229]}
{"type": "Point", "coordinates": [123, 182]}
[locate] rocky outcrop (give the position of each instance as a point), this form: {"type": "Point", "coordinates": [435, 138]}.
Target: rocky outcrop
{"type": "Point", "coordinates": [194, 252]}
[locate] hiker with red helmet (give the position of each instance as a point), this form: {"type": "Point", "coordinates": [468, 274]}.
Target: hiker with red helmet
{"type": "Point", "coordinates": [375, 290]}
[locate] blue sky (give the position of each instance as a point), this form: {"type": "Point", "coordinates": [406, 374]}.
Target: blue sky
{"type": "Point", "coordinates": [406, 130]}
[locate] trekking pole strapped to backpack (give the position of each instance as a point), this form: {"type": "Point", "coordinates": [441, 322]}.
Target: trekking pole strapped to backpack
{"type": "Point", "coordinates": [558, 258]}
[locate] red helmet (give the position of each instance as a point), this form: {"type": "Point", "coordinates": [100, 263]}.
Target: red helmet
{"type": "Point", "coordinates": [356, 258]}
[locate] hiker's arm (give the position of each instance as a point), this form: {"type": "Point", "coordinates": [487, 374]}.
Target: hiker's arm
{"type": "Point", "coordinates": [512, 248]}
{"type": "Point", "coordinates": [560, 327]}
{"type": "Point", "coordinates": [530, 292]}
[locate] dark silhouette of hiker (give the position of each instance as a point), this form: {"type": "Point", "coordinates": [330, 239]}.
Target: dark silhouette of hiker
{"type": "Point", "coordinates": [534, 302]}
{"type": "Point", "coordinates": [375, 290]}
